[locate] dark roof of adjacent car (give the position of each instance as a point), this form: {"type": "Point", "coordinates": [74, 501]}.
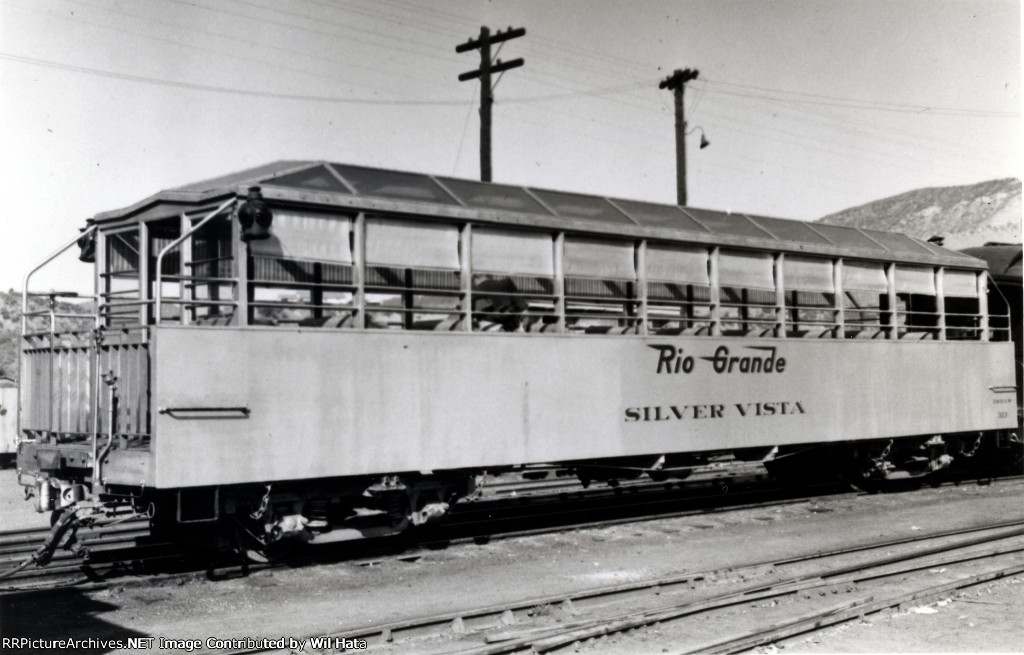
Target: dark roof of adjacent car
{"type": "Point", "coordinates": [1004, 259]}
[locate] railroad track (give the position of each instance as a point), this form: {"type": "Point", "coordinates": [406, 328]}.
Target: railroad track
{"type": "Point", "coordinates": [125, 550]}
{"type": "Point", "coordinates": [507, 505]}
{"type": "Point", "coordinates": [123, 547]}
{"type": "Point", "coordinates": [103, 551]}
{"type": "Point", "coordinates": [777, 598]}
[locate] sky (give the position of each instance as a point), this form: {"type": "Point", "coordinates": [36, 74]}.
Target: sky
{"type": "Point", "coordinates": [810, 106]}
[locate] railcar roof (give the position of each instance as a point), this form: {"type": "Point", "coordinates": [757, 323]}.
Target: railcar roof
{"type": "Point", "coordinates": [389, 191]}
{"type": "Point", "coordinates": [1004, 259]}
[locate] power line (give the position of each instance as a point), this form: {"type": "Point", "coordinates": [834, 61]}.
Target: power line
{"type": "Point", "coordinates": [574, 51]}
{"type": "Point", "coordinates": [660, 149]}
{"type": "Point", "coordinates": [633, 102]}
{"type": "Point", "coordinates": [290, 26]}
{"type": "Point", "coordinates": [357, 101]}
{"type": "Point", "coordinates": [283, 96]}
{"type": "Point", "coordinates": [577, 94]}
{"type": "Point", "coordinates": [221, 89]}
{"type": "Point", "coordinates": [550, 47]}
{"type": "Point", "coordinates": [842, 99]}
{"type": "Point", "coordinates": [234, 55]}
{"type": "Point", "coordinates": [388, 43]}
{"type": "Point", "coordinates": [809, 116]}
{"type": "Point", "coordinates": [850, 103]}
{"type": "Point", "coordinates": [465, 129]}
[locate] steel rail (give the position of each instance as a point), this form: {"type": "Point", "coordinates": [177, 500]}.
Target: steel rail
{"type": "Point", "coordinates": [632, 620]}
{"type": "Point", "coordinates": [576, 630]}
{"type": "Point", "coordinates": [427, 542]}
{"type": "Point", "coordinates": [28, 541]}
{"type": "Point", "coordinates": [15, 541]}
{"type": "Point", "coordinates": [841, 614]}
{"type": "Point", "coordinates": [449, 534]}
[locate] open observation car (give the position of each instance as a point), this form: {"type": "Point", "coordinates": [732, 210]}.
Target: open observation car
{"type": "Point", "coordinates": [331, 350]}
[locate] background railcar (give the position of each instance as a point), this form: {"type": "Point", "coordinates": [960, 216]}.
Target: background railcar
{"type": "Point", "coordinates": [336, 350]}
{"type": "Point", "coordinates": [8, 421]}
{"type": "Point", "coordinates": [1005, 271]}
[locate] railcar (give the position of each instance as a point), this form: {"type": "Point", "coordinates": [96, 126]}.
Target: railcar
{"type": "Point", "coordinates": [8, 421]}
{"type": "Point", "coordinates": [332, 351]}
{"type": "Point", "coordinates": [1007, 276]}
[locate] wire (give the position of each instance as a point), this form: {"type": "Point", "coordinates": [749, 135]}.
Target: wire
{"type": "Point", "coordinates": [861, 129]}
{"type": "Point", "coordinates": [283, 96]}
{"type": "Point", "coordinates": [497, 81]}
{"type": "Point", "coordinates": [720, 90]}
{"type": "Point", "coordinates": [497, 52]}
{"type": "Point", "coordinates": [576, 94]}
{"type": "Point", "coordinates": [78, 20]}
{"type": "Point", "coordinates": [462, 141]}
{"type": "Point", "coordinates": [850, 103]}
{"type": "Point", "coordinates": [389, 42]}
{"type": "Point", "coordinates": [555, 44]}
{"type": "Point", "coordinates": [221, 89]}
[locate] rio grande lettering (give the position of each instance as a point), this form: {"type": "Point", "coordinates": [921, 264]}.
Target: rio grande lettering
{"type": "Point", "coordinates": [673, 360]}
{"type": "Point", "coordinates": [682, 412]}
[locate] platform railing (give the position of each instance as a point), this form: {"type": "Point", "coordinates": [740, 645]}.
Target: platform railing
{"type": "Point", "coordinates": [53, 315]}
{"type": "Point", "coordinates": [158, 301]}
{"type": "Point", "coordinates": [25, 314]}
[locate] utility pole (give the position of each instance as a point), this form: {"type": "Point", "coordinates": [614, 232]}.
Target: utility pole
{"type": "Point", "coordinates": [484, 43]}
{"type": "Point", "coordinates": [677, 83]}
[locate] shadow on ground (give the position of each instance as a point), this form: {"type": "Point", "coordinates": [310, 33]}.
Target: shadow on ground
{"type": "Point", "coordinates": [63, 614]}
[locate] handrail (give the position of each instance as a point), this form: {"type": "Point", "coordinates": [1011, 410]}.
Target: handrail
{"type": "Point", "coordinates": [56, 315]}
{"type": "Point", "coordinates": [171, 411]}
{"type": "Point", "coordinates": [24, 315]}
{"type": "Point", "coordinates": [28, 276]}
{"type": "Point", "coordinates": [174, 244]}
{"type": "Point", "coordinates": [169, 301]}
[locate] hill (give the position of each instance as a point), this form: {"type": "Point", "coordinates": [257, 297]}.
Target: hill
{"type": "Point", "coordinates": [965, 215]}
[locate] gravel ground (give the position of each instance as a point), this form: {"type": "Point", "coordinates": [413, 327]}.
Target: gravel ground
{"type": "Point", "coordinates": [315, 600]}
{"type": "Point", "coordinates": [987, 618]}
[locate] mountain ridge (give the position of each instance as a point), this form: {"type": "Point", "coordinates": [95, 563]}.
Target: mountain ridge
{"type": "Point", "coordinates": [965, 216]}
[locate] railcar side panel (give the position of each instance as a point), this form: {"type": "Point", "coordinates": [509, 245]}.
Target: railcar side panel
{"type": "Point", "coordinates": [253, 405]}
{"type": "Point", "coordinates": [8, 418]}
